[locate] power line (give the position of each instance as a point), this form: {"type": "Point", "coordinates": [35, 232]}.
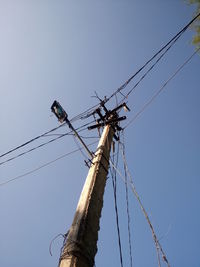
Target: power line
{"type": "Point", "coordinates": [44, 165]}
{"type": "Point", "coordinates": [156, 241]}
{"type": "Point", "coordinates": [30, 141]}
{"type": "Point", "coordinates": [114, 183]}
{"type": "Point", "coordinates": [81, 128]}
{"type": "Point", "coordinates": [50, 131]}
{"type": "Point", "coordinates": [85, 114]}
{"type": "Point", "coordinates": [34, 148]}
{"type": "Point", "coordinates": [160, 90]}
{"type": "Point", "coordinates": [142, 207]}
{"type": "Point", "coordinates": [84, 137]}
{"type": "Point", "coordinates": [164, 48]}
{"type": "Point", "coordinates": [90, 111]}
{"type": "Point", "coordinates": [147, 72]}
{"type": "Point", "coordinates": [127, 205]}
{"type": "Point", "coordinates": [171, 41]}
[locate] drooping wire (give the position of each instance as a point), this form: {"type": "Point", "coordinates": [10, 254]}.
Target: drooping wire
{"type": "Point", "coordinates": [127, 203]}
{"type": "Point", "coordinates": [161, 89]}
{"type": "Point", "coordinates": [44, 165]}
{"type": "Point", "coordinates": [114, 183]}
{"type": "Point", "coordinates": [156, 241]}
{"type": "Point", "coordinates": [58, 235]}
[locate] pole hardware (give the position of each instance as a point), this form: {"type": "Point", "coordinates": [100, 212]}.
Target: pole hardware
{"type": "Point", "coordinates": [110, 121]}
{"type": "Point", "coordinates": [110, 117]}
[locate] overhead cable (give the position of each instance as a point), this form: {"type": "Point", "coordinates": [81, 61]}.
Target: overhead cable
{"type": "Point", "coordinates": [44, 165]}
{"type": "Point", "coordinates": [34, 148]}
{"type": "Point", "coordinates": [30, 141]}
{"type": "Point", "coordinates": [89, 111]}
{"type": "Point", "coordinates": [114, 183]}
{"type": "Point", "coordinates": [50, 131]}
{"type": "Point", "coordinates": [148, 71]}
{"type": "Point", "coordinates": [80, 129]}
{"type": "Point", "coordinates": [85, 114]}
{"type": "Point", "coordinates": [127, 204]}
{"type": "Point", "coordinates": [160, 90]}
{"type": "Point", "coordinates": [157, 243]}
{"type": "Point", "coordinates": [171, 41]}
{"type": "Point", "coordinates": [142, 207]}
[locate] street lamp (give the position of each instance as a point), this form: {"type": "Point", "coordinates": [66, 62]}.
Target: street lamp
{"type": "Point", "coordinates": [58, 110]}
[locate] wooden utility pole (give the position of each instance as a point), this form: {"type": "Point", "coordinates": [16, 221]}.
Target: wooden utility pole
{"type": "Point", "coordinates": [81, 243]}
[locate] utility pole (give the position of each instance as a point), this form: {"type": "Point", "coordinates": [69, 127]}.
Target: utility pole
{"type": "Point", "coordinates": [81, 242]}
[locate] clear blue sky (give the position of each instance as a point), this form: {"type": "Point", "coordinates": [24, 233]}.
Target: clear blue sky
{"type": "Point", "coordinates": [66, 50]}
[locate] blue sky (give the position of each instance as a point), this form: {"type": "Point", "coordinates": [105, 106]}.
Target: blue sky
{"type": "Point", "coordinates": [66, 50]}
